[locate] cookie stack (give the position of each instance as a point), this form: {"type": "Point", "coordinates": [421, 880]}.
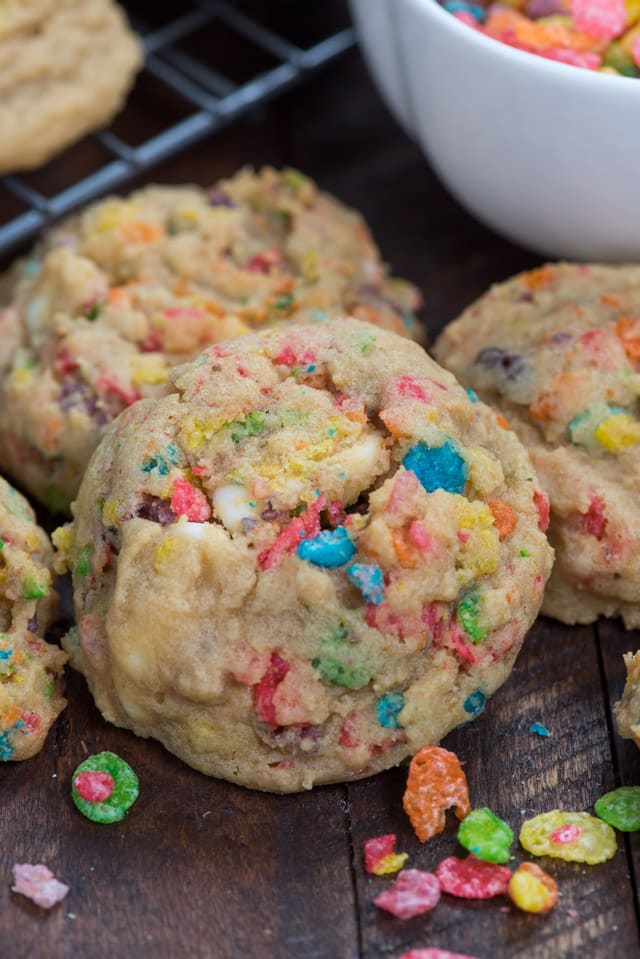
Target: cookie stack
{"type": "Point", "coordinates": [65, 69]}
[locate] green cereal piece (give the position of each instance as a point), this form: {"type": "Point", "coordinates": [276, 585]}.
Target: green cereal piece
{"type": "Point", "coordinates": [467, 615]}
{"type": "Point", "coordinates": [486, 836]}
{"type": "Point", "coordinates": [620, 808]}
{"type": "Point", "coordinates": [83, 562]}
{"type": "Point", "coordinates": [125, 788]}
{"type": "Point", "coordinates": [34, 587]}
{"type": "Point", "coordinates": [249, 426]}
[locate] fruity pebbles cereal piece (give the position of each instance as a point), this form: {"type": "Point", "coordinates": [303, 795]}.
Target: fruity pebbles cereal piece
{"type": "Point", "coordinates": [413, 893]}
{"type": "Point", "coordinates": [486, 835]}
{"type": "Point", "coordinates": [472, 878]}
{"type": "Point", "coordinates": [38, 884]}
{"type": "Point", "coordinates": [557, 351]}
{"type": "Point", "coordinates": [104, 787]}
{"type": "Point", "coordinates": [435, 783]}
{"type": "Point", "coordinates": [627, 710]}
{"type": "Point", "coordinates": [620, 808]}
{"type": "Point", "coordinates": [247, 639]}
{"type": "Point", "coordinates": [380, 857]}
{"type": "Point", "coordinates": [572, 836]}
{"type": "Point", "coordinates": [532, 889]}
{"type": "Point", "coordinates": [433, 954]}
{"type": "Point", "coordinates": [115, 297]}
{"type": "Point", "coordinates": [30, 669]}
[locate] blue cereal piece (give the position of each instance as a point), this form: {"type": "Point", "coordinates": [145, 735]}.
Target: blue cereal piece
{"type": "Point", "coordinates": [539, 729]}
{"type": "Point", "coordinates": [437, 467]}
{"type": "Point", "coordinates": [388, 709]}
{"type": "Point", "coordinates": [474, 704]}
{"type": "Point", "coordinates": [461, 6]}
{"type": "Point", "coordinates": [473, 396]}
{"type": "Point", "coordinates": [329, 549]}
{"type": "Point", "coordinates": [369, 580]}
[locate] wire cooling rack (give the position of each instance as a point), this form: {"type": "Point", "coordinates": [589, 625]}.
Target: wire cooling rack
{"type": "Point", "coordinates": [217, 60]}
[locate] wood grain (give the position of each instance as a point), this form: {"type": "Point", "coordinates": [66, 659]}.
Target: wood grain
{"type": "Point", "coordinates": [204, 869]}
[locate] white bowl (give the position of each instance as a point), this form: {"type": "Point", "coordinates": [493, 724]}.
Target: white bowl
{"type": "Point", "coordinates": [544, 153]}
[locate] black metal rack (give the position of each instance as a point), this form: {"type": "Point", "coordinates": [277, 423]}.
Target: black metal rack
{"type": "Point", "coordinates": [212, 100]}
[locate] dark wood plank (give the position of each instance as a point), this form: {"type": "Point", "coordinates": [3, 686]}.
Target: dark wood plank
{"type": "Point", "coordinates": [518, 774]}
{"type": "Point", "coordinates": [199, 867]}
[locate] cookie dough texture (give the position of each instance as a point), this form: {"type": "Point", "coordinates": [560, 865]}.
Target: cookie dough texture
{"type": "Point", "coordinates": [65, 70]}
{"type": "Point", "coordinates": [30, 668]}
{"type": "Point", "coordinates": [115, 297]}
{"type": "Point", "coordinates": [627, 710]}
{"type": "Point", "coordinates": [557, 350]}
{"type": "Point", "coordinates": [262, 585]}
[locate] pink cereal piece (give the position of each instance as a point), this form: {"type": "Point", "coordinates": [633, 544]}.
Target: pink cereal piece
{"type": "Point", "coordinates": [413, 893]}
{"type": "Point", "coordinates": [604, 19]}
{"type": "Point", "coordinates": [187, 500]}
{"type": "Point", "coordinates": [541, 501]}
{"type": "Point", "coordinates": [419, 537]}
{"type": "Point", "coordinates": [594, 521]}
{"type": "Point", "coordinates": [300, 527]}
{"type": "Point", "coordinates": [38, 884]}
{"type": "Point", "coordinates": [434, 954]}
{"type": "Point", "coordinates": [94, 786]}
{"type": "Point", "coordinates": [376, 849]}
{"type": "Point", "coordinates": [635, 51]}
{"type": "Point", "coordinates": [566, 834]}
{"type": "Point", "coordinates": [408, 387]}
{"type": "Point", "coordinates": [471, 878]}
{"type": "Point", "coordinates": [461, 648]}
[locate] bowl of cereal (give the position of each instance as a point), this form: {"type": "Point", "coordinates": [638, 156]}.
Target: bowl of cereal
{"type": "Point", "coordinates": [544, 152]}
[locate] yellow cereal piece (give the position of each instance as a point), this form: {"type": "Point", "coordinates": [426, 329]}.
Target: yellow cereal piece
{"type": "Point", "coordinates": [617, 432]}
{"type": "Point", "coordinates": [198, 432]}
{"type": "Point", "coordinates": [532, 889]}
{"type": "Point", "coordinates": [112, 214]}
{"type": "Point", "coordinates": [164, 551]}
{"type": "Point", "coordinates": [390, 864]}
{"type": "Point", "coordinates": [21, 376]}
{"type": "Point", "coordinates": [110, 511]}
{"type": "Point", "coordinates": [309, 266]}
{"type": "Point", "coordinates": [149, 369]}
{"type": "Point", "coordinates": [572, 836]}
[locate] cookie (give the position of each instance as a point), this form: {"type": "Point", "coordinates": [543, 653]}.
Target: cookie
{"type": "Point", "coordinates": [23, 15]}
{"type": "Point", "coordinates": [120, 294]}
{"type": "Point", "coordinates": [30, 669]}
{"type": "Point", "coordinates": [309, 558]}
{"type": "Point", "coordinates": [63, 72]}
{"type": "Point", "coordinates": [557, 351]}
{"type": "Point", "coordinates": [627, 710]}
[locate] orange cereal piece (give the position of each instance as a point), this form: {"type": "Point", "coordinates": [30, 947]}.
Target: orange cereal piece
{"type": "Point", "coordinates": [502, 421]}
{"type": "Point", "coordinates": [406, 555]}
{"type": "Point", "coordinates": [436, 782]}
{"type": "Point", "coordinates": [139, 231]}
{"type": "Point", "coordinates": [504, 518]}
{"type": "Point", "coordinates": [628, 333]}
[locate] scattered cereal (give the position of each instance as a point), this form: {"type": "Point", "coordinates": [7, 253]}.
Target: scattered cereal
{"type": "Point", "coordinates": [591, 840]}
{"type": "Point", "coordinates": [413, 893]}
{"type": "Point", "coordinates": [436, 782]}
{"type": "Point", "coordinates": [620, 808]}
{"type": "Point", "coordinates": [472, 878]}
{"type": "Point", "coordinates": [532, 889]}
{"type": "Point", "coordinates": [485, 835]}
{"type": "Point", "coordinates": [380, 857]}
{"type": "Point", "coordinates": [104, 787]}
{"type": "Point", "coordinates": [38, 884]}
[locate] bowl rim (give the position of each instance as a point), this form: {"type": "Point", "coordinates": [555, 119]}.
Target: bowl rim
{"type": "Point", "coordinates": [523, 58]}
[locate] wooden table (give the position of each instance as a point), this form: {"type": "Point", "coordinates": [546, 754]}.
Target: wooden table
{"type": "Point", "coordinates": [201, 868]}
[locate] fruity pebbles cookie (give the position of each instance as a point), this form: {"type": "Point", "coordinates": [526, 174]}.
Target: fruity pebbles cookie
{"type": "Point", "coordinates": [627, 711]}
{"type": "Point", "coordinates": [30, 669]}
{"type": "Point", "coordinates": [116, 296]}
{"type": "Point", "coordinates": [310, 557]}
{"type": "Point", "coordinates": [557, 350]}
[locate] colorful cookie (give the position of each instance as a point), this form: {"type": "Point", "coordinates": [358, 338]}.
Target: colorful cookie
{"type": "Point", "coordinates": [131, 287]}
{"type": "Point", "coordinates": [30, 668]}
{"type": "Point", "coordinates": [627, 711]}
{"type": "Point", "coordinates": [557, 350]}
{"type": "Point", "coordinates": [287, 568]}
{"type": "Point", "coordinates": [65, 69]}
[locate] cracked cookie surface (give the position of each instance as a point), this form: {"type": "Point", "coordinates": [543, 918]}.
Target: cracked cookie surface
{"type": "Point", "coordinates": [98, 315]}
{"type": "Point", "coordinates": [313, 555]}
